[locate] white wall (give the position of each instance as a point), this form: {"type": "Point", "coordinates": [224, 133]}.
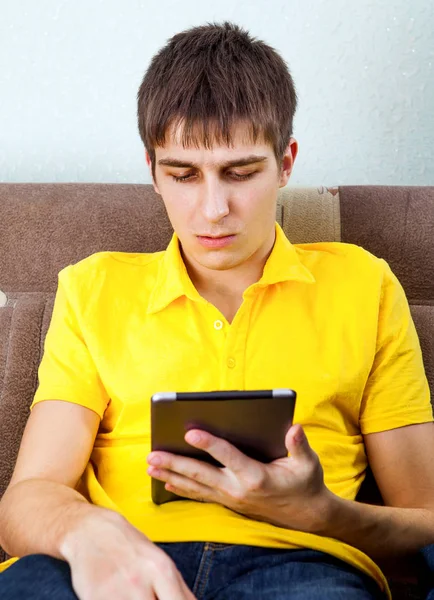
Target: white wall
{"type": "Point", "coordinates": [364, 72]}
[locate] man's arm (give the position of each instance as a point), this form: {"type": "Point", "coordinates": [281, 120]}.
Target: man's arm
{"type": "Point", "coordinates": [290, 492]}
{"type": "Point", "coordinates": [40, 505]}
{"type": "Point", "coordinates": [42, 513]}
{"type": "Point", "coordinates": [402, 461]}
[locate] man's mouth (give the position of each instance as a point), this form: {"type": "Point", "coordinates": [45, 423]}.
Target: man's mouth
{"type": "Point", "coordinates": [219, 241]}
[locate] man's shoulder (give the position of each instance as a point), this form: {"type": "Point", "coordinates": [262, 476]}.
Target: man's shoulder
{"type": "Point", "coordinates": [340, 261]}
{"type": "Point", "coordinates": [111, 270]}
{"type": "Point", "coordinates": [114, 261]}
{"type": "Point", "coordinates": [337, 249]}
{"type": "Point", "coordinates": [336, 253]}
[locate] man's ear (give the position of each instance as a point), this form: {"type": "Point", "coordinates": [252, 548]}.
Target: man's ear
{"type": "Point", "coordinates": [288, 162]}
{"type": "Point", "coordinates": [149, 163]}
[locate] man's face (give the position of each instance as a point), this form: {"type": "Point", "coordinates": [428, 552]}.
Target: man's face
{"type": "Point", "coordinates": [222, 201]}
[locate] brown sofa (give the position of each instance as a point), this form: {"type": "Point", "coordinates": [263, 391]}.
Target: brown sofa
{"type": "Point", "coordinates": [44, 227]}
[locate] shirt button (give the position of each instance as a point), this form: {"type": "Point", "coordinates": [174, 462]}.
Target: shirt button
{"type": "Point", "coordinates": [231, 363]}
{"type": "Point", "coordinates": [218, 324]}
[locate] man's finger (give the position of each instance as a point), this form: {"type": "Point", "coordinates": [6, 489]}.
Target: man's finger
{"type": "Point", "coordinates": [191, 468]}
{"type": "Point", "coordinates": [171, 586]}
{"type": "Point", "coordinates": [186, 486]}
{"type": "Point", "coordinates": [222, 451]}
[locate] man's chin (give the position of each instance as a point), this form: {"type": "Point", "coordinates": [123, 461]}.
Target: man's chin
{"type": "Point", "coordinates": [217, 260]}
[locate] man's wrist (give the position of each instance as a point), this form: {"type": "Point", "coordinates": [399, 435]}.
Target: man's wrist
{"type": "Point", "coordinates": [316, 517]}
{"type": "Point", "coordinates": [81, 518]}
{"type": "Point", "coordinates": [324, 514]}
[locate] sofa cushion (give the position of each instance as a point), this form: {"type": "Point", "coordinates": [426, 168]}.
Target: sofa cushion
{"type": "Point", "coordinates": [395, 223]}
{"type": "Point", "coordinates": [310, 214]}
{"type": "Point", "coordinates": [423, 317]}
{"type": "Point", "coordinates": [47, 226]}
{"type": "Point", "coordinates": [24, 321]}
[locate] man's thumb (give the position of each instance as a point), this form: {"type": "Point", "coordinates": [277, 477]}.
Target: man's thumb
{"type": "Point", "coordinates": [296, 442]}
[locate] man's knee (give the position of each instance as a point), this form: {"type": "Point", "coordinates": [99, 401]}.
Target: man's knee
{"type": "Point", "coordinates": [37, 577]}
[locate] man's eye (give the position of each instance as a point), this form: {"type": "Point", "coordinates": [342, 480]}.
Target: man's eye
{"type": "Point", "coordinates": [236, 176]}
{"type": "Point", "coordinates": [182, 177]}
{"type": "Point", "coordinates": [241, 177]}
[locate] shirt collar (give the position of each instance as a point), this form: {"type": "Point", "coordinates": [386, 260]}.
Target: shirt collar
{"type": "Point", "coordinates": [284, 264]}
{"type": "Point", "coordinates": [173, 280]}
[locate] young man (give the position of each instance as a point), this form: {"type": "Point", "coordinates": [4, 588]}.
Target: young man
{"type": "Point", "coordinates": [231, 304]}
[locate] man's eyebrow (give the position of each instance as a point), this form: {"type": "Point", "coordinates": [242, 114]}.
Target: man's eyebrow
{"type": "Point", "coordinates": [237, 162]}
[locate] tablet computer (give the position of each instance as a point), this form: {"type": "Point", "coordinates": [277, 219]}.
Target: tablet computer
{"type": "Point", "coordinates": [254, 421]}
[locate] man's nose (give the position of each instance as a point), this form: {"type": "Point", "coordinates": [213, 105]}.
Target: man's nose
{"type": "Point", "coordinates": [215, 200]}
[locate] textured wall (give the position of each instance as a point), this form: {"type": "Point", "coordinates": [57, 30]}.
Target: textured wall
{"type": "Point", "coordinates": [364, 72]}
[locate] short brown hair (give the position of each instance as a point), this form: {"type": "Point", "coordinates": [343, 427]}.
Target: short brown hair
{"type": "Point", "coordinates": [209, 77]}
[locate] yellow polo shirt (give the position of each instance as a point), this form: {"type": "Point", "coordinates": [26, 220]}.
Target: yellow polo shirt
{"type": "Point", "coordinates": [329, 320]}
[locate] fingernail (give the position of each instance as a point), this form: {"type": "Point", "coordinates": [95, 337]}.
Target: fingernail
{"type": "Point", "coordinates": [194, 437]}
{"type": "Point", "coordinates": [299, 436]}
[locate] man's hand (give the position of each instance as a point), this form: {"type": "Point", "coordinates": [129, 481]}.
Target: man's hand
{"type": "Point", "coordinates": [288, 492]}
{"type": "Point", "coordinates": [111, 559]}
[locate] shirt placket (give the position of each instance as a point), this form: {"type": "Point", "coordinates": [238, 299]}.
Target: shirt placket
{"type": "Point", "coordinates": [232, 359]}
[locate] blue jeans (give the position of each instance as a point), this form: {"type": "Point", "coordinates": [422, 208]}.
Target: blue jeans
{"type": "Point", "coordinates": [215, 571]}
{"type": "Point", "coordinates": [427, 571]}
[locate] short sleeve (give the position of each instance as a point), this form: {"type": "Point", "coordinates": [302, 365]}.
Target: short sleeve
{"type": "Point", "coordinates": [67, 371]}
{"type": "Point", "coordinates": [397, 392]}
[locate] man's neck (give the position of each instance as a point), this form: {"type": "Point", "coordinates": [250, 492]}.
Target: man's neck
{"type": "Point", "coordinates": [227, 284]}
{"type": "Point", "coordinates": [226, 287]}
{"type": "Point", "coordinates": [223, 289]}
